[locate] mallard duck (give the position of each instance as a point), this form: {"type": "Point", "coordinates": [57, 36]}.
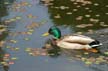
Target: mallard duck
{"type": "Point", "coordinates": [73, 41]}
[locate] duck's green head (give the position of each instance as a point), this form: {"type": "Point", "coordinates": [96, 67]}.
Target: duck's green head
{"type": "Point", "coordinates": [55, 32]}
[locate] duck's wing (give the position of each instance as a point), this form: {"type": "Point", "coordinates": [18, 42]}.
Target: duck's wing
{"type": "Point", "coordinates": [68, 45]}
{"type": "Point", "coordinates": [78, 39]}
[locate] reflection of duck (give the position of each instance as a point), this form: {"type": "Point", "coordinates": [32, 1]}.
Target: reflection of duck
{"type": "Point", "coordinates": [73, 41]}
{"type": "Point", "coordinates": [52, 50]}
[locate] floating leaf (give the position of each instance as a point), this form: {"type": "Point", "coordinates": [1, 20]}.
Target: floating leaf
{"type": "Point", "coordinates": [8, 46]}
{"type": "Point", "coordinates": [106, 53]}
{"type": "Point", "coordinates": [3, 62]}
{"type": "Point", "coordinates": [12, 19]}
{"type": "Point", "coordinates": [87, 15]}
{"type": "Point", "coordinates": [43, 21]}
{"type": "Point", "coordinates": [29, 33]}
{"type": "Point", "coordinates": [31, 30]}
{"type": "Point", "coordinates": [26, 39]}
{"type": "Point", "coordinates": [14, 58]}
{"type": "Point", "coordinates": [18, 17]}
{"type": "Point", "coordinates": [106, 13]}
{"type": "Point", "coordinates": [79, 18]}
{"type": "Point", "coordinates": [7, 55]}
{"type": "Point", "coordinates": [83, 59]}
{"type": "Point", "coordinates": [97, 62]}
{"type": "Point", "coordinates": [96, 4]}
{"type": "Point", "coordinates": [30, 53]}
{"type": "Point", "coordinates": [62, 7]}
{"type": "Point", "coordinates": [2, 43]}
{"type": "Point", "coordinates": [17, 48]}
{"type": "Point", "coordinates": [86, 53]}
{"type": "Point", "coordinates": [11, 62]}
{"type": "Point", "coordinates": [13, 41]}
{"type": "Point", "coordinates": [69, 13]}
{"type": "Point", "coordinates": [6, 3]}
{"type": "Point", "coordinates": [30, 16]}
{"type": "Point", "coordinates": [88, 62]}
{"type": "Point", "coordinates": [57, 16]}
{"type": "Point", "coordinates": [28, 49]}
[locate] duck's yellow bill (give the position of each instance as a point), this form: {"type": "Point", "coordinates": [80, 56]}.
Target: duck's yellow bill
{"type": "Point", "coordinates": [45, 34]}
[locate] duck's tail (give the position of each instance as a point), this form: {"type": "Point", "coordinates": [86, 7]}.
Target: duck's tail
{"type": "Point", "coordinates": [95, 44]}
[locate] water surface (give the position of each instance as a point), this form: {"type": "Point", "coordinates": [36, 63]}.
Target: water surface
{"type": "Point", "coordinates": [43, 15]}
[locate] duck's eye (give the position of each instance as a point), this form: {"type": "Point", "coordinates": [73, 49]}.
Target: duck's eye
{"type": "Point", "coordinates": [50, 31]}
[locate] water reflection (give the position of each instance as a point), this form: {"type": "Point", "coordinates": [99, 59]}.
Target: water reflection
{"type": "Point", "coordinates": [52, 50]}
{"type": "Point", "coordinates": [3, 32]}
{"type": "Point", "coordinates": [26, 62]}
{"type": "Point", "coordinates": [80, 15]}
{"type": "Point", "coordinates": [3, 64]}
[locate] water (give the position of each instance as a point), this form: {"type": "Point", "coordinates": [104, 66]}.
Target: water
{"type": "Point", "coordinates": [44, 14]}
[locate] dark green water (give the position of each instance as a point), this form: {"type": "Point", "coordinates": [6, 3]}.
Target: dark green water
{"type": "Point", "coordinates": [69, 12]}
{"type": "Point", "coordinates": [48, 15]}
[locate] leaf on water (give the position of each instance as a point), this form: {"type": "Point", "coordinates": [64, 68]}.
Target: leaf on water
{"type": "Point", "coordinates": [79, 18]}
{"type": "Point", "coordinates": [11, 63]}
{"type": "Point", "coordinates": [18, 17]}
{"type": "Point", "coordinates": [87, 15]}
{"type": "Point", "coordinates": [97, 62]}
{"type": "Point", "coordinates": [24, 3]}
{"type": "Point", "coordinates": [26, 39]}
{"type": "Point", "coordinates": [57, 16]}
{"type": "Point", "coordinates": [14, 58]}
{"type": "Point", "coordinates": [86, 53]}
{"type": "Point", "coordinates": [78, 6]}
{"type": "Point", "coordinates": [90, 31]}
{"type": "Point", "coordinates": [3, 62]}
{"type": "Point", "coordinates": [97, 15]}
{"type": "Point", "coordinates": [2, 43]}
{"type": "Point", "coordinates": [43, 21]}
{"type": "Point", "coordinates": [31, 16]}
{"type": "Point", "coordinates": [75, 9]}
{"type": "Point", "coordinates": [84, 25]}
{"type": "Point", "coordinates": [79, 33]}
{"type": "Point", "coordinates": [106, 13]}
{"type": "Point", "coordinates": [6, 3]}
{"type": "Point", "coordinates": [13, 41]}
{"type": "Point", "coordinates": [87, 8]}
{"type": "Point", "coordinates": [12, 19]}
{"type": "Point", "coordinates": [22, 10]}
{"type": "Point", "coordinates": [16, 49]}
{"type": "Point", "coordinates": [33, 25]}
{"type": "Point", "coordinates": [96, 4]}
{"type": "Point", "coordinates": [30, 53]}
{"type": "Point", "coordinates": [94, 20]}
{"type": "Point", "coordinates": [88, 62]}
{"type": "Point", "coordinates": [106, 6]}
{"type": "Point", "coordinates": [7, 55]}
{"type": "Point", "coordinates": [106, 53]}
{"type": "Point", "coordinates": [28, 49]}
{"type": "Point", "coordinates": [103, 24]}
{"type": "Point", "coordinates": [62, 7]}
{"type": "Point", "coordinates": [69, 13]}
{"type": "Point", "coordinates": [29, 33]}
{"type": "Point", "coordinates": [31, 30]}
{"type": "Point", "coordinates": [83, 59]}
{"type": "Point", "coordinates": [8, 46]}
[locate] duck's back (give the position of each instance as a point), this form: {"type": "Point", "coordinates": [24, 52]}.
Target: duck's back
{"type": "Point", "coordinates": [78, 39]}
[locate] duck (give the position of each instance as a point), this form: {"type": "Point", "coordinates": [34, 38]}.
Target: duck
{"type": "Point", "coordinates": [76, 42]}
